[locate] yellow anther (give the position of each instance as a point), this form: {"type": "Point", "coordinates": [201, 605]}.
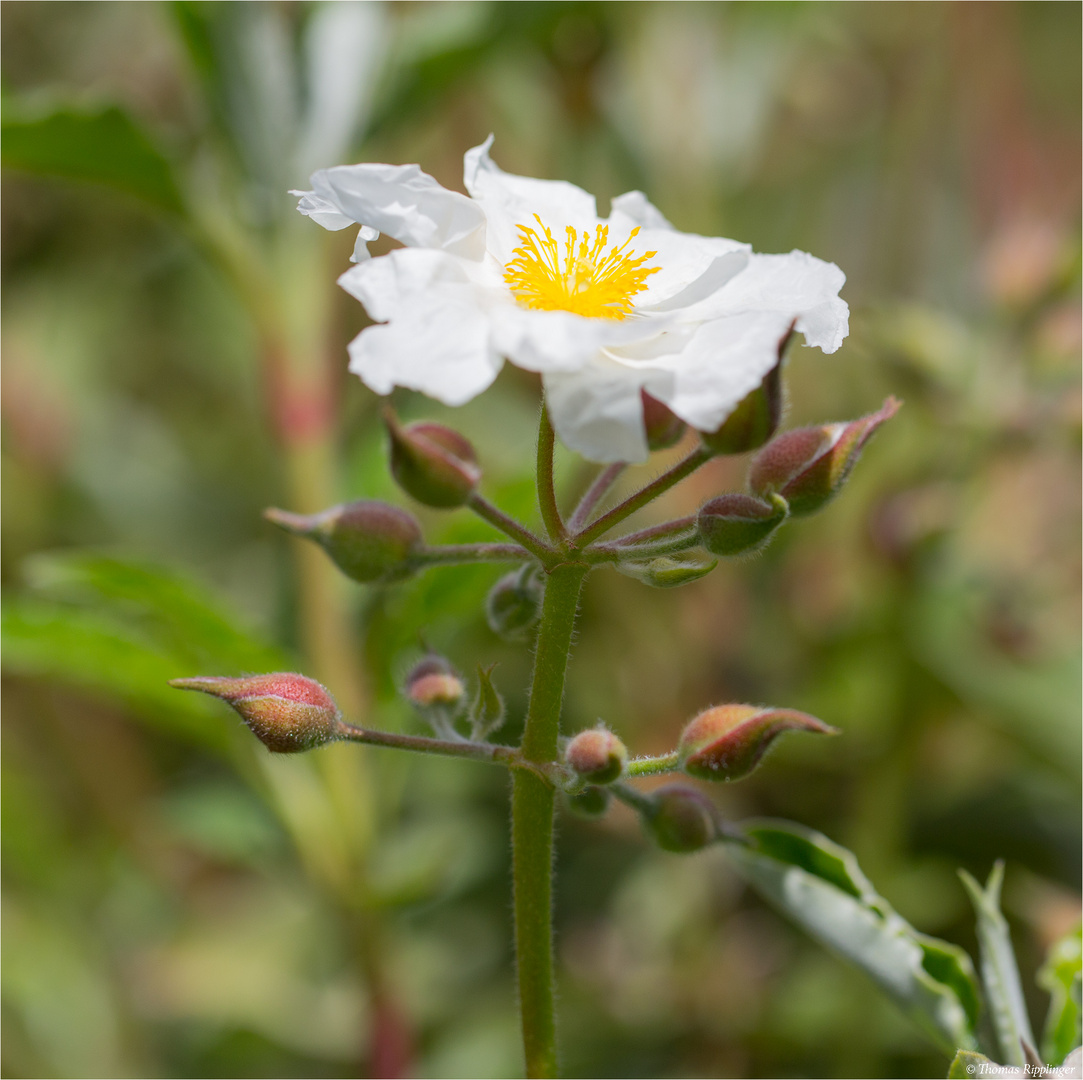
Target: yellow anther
{"type": "Point", "coordinates": [588, 280]}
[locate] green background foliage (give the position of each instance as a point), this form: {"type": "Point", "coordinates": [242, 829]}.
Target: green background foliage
{"type": "Point", "coordinates": [179, 903]}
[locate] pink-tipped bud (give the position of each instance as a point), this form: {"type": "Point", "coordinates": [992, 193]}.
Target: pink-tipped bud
{"type": "Point", "coordinates": [433, 682]}
{"type": "Point", "coordinates": [808, 466]}
{"type": "Point", "coordinates": [735, 524]}
{"type": "Point", "coordinates": [287, 713]}
{"type": "Point", "coordinates": [368, 541]}
{"type": "Point", "coordinates": [663, 428]}
{"type": "Point", "coordinates": [681, 819]}
{"type": "Point", "coordinates": [757, 416]}
{"type": "Point", "coordinates": [434, 464]}
{"type": "Point", "coordinates": [597, 755]}
{"type": "Point", "coordinates": [729, 741]}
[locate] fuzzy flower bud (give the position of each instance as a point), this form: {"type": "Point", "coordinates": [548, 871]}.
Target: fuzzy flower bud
{"type": "Point", "coordinates": [808, 466]}
{"type": "Point", "coordinates": [735, 524]}
{"type": "Point", "coordinates": [729, 741]}
{"type": "Point", "coordinates": [757, 416]}
{"type": "Point", "coordinates": [663, 428]}
{"type": "Point", "coordinates": [287, 713]}
{"type": "Point", "coordinates": [681, 819]}
{"type": "Point", "coordinates": [368, 541]}
{"type": "Point", "coordinates": [591, 802]}
{"type": "Point", "coordinates": [597, 755]}
{"type": "Point", "coordinates": [433, 682]}
{"type": "Point", "coordinates": [513, 606]}
{"type": "Point", "coordinates": [434, 464]}
{"type": "Point", "coordinates": [666, 572]}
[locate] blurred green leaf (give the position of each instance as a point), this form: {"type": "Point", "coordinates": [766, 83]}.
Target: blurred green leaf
{"type": "Point", "coordinates": [819, 885]}
{"type": "Point", "coordinates": [1060, 975]}
{"type": "Point", "coordinates": [104, 145]}
{"type": "Point", "coordinates": [969, 1063]}
{"type": "Point", "coordinates": [1000, 972]}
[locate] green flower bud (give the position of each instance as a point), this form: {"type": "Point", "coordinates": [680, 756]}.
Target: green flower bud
{"type": "Point", "coordinates": [368, 541]}
{"type": "Point", "coordinates": [757, 416]}
{"type": "Point", "coordinates": [591, 802]}
{"type": "Point", "coordinates": [735, 524]}
{"type": "Point", "coordinates": [663, 428]}
{"type": "Point", "coordinates": [434, 464]}
{"type": "Point", "coordinates": [287, 713]}
{"type": "Point", "coordinates": [513, 606]}
{"type": "Point", "coordinates": [597, 755]}
{"type": "Point", "coordinates": [681, 819]}
{"type": "Point", "coordinates": [665, 572]}
{"type": "Point", "coordinates": [808, 466]}
{"type": "Point", "coordinates": [729, 741]}
{"type": "Point", "coordinates": [487, 711]}
{"type": "Point", "coordinates": [432, 682]}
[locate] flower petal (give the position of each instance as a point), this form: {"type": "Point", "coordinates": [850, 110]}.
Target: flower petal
{"type": "Point", "coordinates": [510, 201]}
{"type": "Point", "coordinates": [598, 411]}
{"type": "Point", "coordinates": [441, 349]}
{"type": "Point", "coordinates": [635, 206]}
{"type": "Point", "coordinates": [399, 200]}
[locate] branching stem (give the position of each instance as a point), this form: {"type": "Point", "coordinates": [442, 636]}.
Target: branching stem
{"type": "Point", "coordinates": [594, 495]}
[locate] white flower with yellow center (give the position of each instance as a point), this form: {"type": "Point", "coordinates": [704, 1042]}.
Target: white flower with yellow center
{"type": "Point", "coordinates": [604, 309]}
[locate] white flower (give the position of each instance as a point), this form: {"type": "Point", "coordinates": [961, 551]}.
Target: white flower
{"type": "Point", "coordinates": [525, 269]}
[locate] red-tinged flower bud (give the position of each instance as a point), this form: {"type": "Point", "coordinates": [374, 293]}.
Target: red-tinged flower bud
{"type": "Point", "coordinates": [808, 466]}
{"type": "Point", "coordinates": [681, 819]}
{"type": "Point", "coordinates": [434, 464]}
{"type": "Point", "coordinates": [729, 741]}
{"type": "Point", "coordinates": [591, 802]}
{"type": "Point", "coordinates": [735, 524]}
{"type": "Point", "coordinates": [757, 416]}
{"type": "Point", "coordinates": [663, 428]}
{"type": "Point", "coordinates": [368, 541]}
{"type": "Point", "coordinates": [287, 713]}
{"type": "Point", "coordinates": [513, 606]}
{"type": "Point", "coordinates": [597, 755]}
{"type": "Point", "coordinates": [665, 572]}
{"type": "Point", "coordinates": [433, 682]}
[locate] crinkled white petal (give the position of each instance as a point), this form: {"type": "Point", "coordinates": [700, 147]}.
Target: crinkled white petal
{"type": "Point", "coordinates": [442, 350]}
{"type": "Point", "coordinates": [598, 412]}
{"type": "Point", "coordinates": [804, 287]}
{"type": "Point", "coordinates": [403, 202]}
{"type": "Point", "coordinates": [723, 361]}
{"type": "Point", "coordinates": [404, 279]}
{"type": "Point", "coordinates": [322, 211]}
{"type": "Point", "coordinates": [510, 201]}
{"type": "Point", "coordinates": [635, 206]}
{"type": "Point", "coordinates": [365, 236]}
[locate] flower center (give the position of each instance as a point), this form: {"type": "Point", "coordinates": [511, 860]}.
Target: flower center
{"type": "Point", "coordinates": [586, 278]}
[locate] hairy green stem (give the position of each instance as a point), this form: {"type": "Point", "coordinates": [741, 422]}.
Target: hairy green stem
{"type": "Point", "coordinates": [652, 766]}
{"type": "Point", "coordinates": [601, 484]}
{"type": "Point", "coordinates": [532, 821]}
{"type": "Point", "coordinates": [683, 468]}
{"type": "Point", "coordinates": [655, 532]}
{"type": "Point", "coordinates": [672, 545]}
{"type": "Point", "coordinates": [448, 554]}
{"type": "Point", "coordinates": [463, 748]}
{"type": "Point", "coordinates": [547, 496]}
{"type": "Point", "coordinates": [510, 527]}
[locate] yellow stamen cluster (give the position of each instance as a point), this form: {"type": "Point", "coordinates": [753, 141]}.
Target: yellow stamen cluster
{"type": "Point", "coordinates": [586, 279]}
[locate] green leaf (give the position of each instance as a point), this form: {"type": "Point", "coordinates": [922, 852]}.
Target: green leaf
{"type": "Point", "coordinates": [1060, 976]}
{"type": "Point", "coordinates": [103, 145]}
{"type": "Point", "coordinates": [1000, 973]}
{"type": "Point", "coordinates": [820, 886]}
{"type": "Point", "coordinates": [487, 710]}
{"type": "Point", "coordinates": [968, 1064]}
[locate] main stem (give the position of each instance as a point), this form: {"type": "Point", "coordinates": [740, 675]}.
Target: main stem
{"type": "Point", "coordinates": [532, 822]}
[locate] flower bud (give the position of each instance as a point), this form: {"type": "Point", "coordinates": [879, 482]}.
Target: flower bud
{"type": "Point", "coordinates": [487, 710]}
{"type": "Point", "coordinates": [434, 464]}
{"type": "Point", "coordinates": [597, 755]}
{"type": "Point", "coordinates": [433, 682]}
{"type": "Point", "coordinates": [681, 819]}
{"type": "Point", "coordinates": [368, 541]}
{"type": "Point", "coordinates": [663, 428]}
{"type": "Point", "coordinates": [591, 802]}
{"type": "Point", "coordinates": [757, 416]}
{"type": "Point", "coordinates": [665, 572]}
{"type": "Point", "coordinates": [735, 524]}
{"type": "Point", "coordinates": [729, 741]}
{"type": "Point", "coordinates": [287, 713]}
{"type": "Point", "coordinates": [808, 466]}
{"type": "Point", "coordinates": [513, 606]}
